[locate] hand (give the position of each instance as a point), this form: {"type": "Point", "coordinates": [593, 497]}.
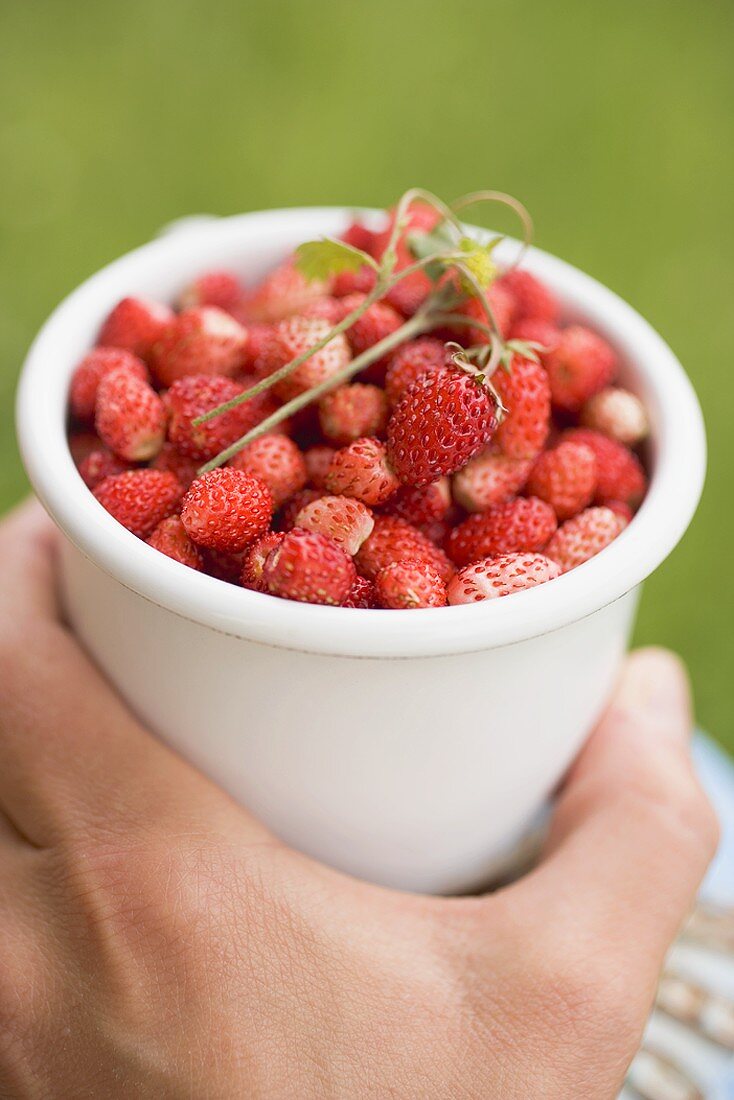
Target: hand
{"type": "Point", "coordinates": [156, 941]}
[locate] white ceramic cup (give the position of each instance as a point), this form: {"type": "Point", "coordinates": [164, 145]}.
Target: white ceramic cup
{"type": "Point", "coordinates": [411, 748]}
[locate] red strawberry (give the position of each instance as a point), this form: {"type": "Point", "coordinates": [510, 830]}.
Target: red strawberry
{"type": "Point", "coordinates": [525, 394]}
{"type": "Point", "coordinates": [442, 420]}
{"type": "Point", "coordinates": [309, 567]}
{"type": "Point", "coordinates": [500, 576]}
{"type": "Point", "coordinates": [502, 303]}
{"type": "Point", "coordinates": [580, 365]}
{"type": "Point", "coordinates": [521, 525]}
{"type": "Point", "coordinates": [377, 322]}
{"type": "Point", "coordinates": [86, 378]}
{"type": "Point", "coordinates": [539, 332]}
{"type": "Point", "coordinates": [348, 522]}
{"type": "Point", "coordinates": [362, 594]}
{"type": "Point", "coordinates": [361, 281]}
{"type": "Point", "coordinates": [225, 567]}
{"type": "Point", "coordinates": [289, 340]}
{"type": "Point", "coordinates": [565, 477]}
{"type": "Point", "coordinates": [410, 584]}
{"type": "Point", "coordinates": [393, 539]}
{"type": "Point", "coordinates": [135, 324]}
{"type": "Point", "coordinates": [277, 462]}
{"type": "Point", "coordinates": [226, 509]}
{"type": "Point", "coordinates": [410, 361]}
{"type": "Point", "coordinates": [196, 394]}
{"type": "Point", "coordinates": [139, 499]}
{"type": "Point", "coordinates": [352, 411]}
{"type": "Point", "coordinates": [282, 293]}
{"type": "Point", "coordinates": [532, 298]}
{"type": "Point", "coordinates": [171, 459]}
{"type": "Point", "coordinates": [171, 539]}
{"type": "Point", "coordinates": [583, 536]}
{"type": "Point", "coordinates": [359, 236]}
{"type": "Point", "coordinates": [423, 505]}
{"type": "Point", "coordinates": [286, 519]}
{"type": "Point", "coordinates": [255, 353]}
{"type": "Point", "coordinates": [215, 288]}
{"type": "Point", "coordinates": [81, 444]}
{"type": "Point", "coordinates": [620, 475]}
{"type": "Point", "coordinates": [618, 414]}
{"type": "Point", "coordinates": [620, 509]}
{"type": "Point", "coordinates": [130, 416]}
{"type": "Point", "coordinates": [490, 478]}
{"type": "Point", "coordinates": [254, 558]}
{"type": "Point", "coordinates": [318, 460]}
{"type": "Point", "coordinates": [203, 340]}
{"type": "Point", "coordinates": [361, 470]}
{"type": "Point", "coordinates": [98, 465]}
{"type": "Point", "coordinates": [327, 309]}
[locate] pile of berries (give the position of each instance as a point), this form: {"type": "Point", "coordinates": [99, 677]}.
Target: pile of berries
{"type": "Point", "coordinates": [433, 478]}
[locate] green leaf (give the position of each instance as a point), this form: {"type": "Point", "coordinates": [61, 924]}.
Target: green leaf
{"type": "Point", "coordinates": [321, 259]}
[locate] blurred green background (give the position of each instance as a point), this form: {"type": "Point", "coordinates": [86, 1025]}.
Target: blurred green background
{"type": "Point", "coordinates": [613, 122]}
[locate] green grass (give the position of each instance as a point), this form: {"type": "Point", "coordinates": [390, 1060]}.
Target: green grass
{"type": "Point", "coordinates": [613, 122]}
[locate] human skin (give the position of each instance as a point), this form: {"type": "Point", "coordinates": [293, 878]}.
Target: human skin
{"type": "Point", "coordinates": [157, 941]}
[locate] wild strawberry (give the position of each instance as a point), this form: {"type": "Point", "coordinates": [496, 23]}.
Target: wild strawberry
{"type": "Point", "coordinates": [277, 462]}
{"type": "Point", "coordinates": [135, 324]}
{"type": "Point", "coordinates": [139, 499]}
{"type": "Point", "coordinates": [255, 353]}
{"type": "Point", "coordinates": [225, 567]}
{"type": "Point", "coordinates": [565, 477]}
{"type": "Point", "coordinates": [359, 236]}
{"type": "Point", "coordinates": [87, 376]}
{"type": "Point", "coordinates": [309, 567]}
{"type": "Point", "coordinates": [130, 416]}
{"type": "Point", "coordinates": [170, 538]}
{"type": "Point", "coordinates": [362, 594]}
{"type": "Point", "coordinates": [226, 509]}
{"type": "Point", "coordinates": [349, 412]}
{"type": "Point", "coordinates": [202, 340]}
{"type": "Point", "coordinates": [525, 394]}
{"type": "Point", "coordinates": [377, 322]}
{"type": "Point", "coordinates": [361, 281]}
{"type": "Point", "coordinates": [254, 557]}
{"type": "Point", "coordinates": [215, 288]}
{"type": "Point", "coordinates": [580, 365]}
{"type": "Point", "coordinates": [422, 505]}
{"type": "Point", "coordinates": [521, 525]}
{"type": "Point", "coordinates": [583, 536]}
{"type": "Point", "coordinates": [362, 471]}
{"type": "Point", "coordinates": [170, 458]}
{"type": "Point", "coordinates": [410, 584]}
{"type": "Point", "coordinates": [620, 475]}
{"type": "Point", "coordinates": [442, 420]}
{"type": "Point", "coordinates": [532, 298]}
{"type": "Point", "coordinates": [282, 293]}
{"type": "Point", "coordinates": [410, 361]}
{"type": "Point", "coordinates": [81, 444]}
{"type": "Point", "coordinates": [289, 340]}
{"type": "Point", "coordinates": [286, 518]}
{"type": "Point", "coordinates": [318, 460]}
{"type": "Point", "coordinates": [348, 522]}
{"type": "Point", "coordinates": [489, 478]}
{"type": "Point", "coordinates": [196, 394]}
{"type": "Point", "coordinates": [393, 539]}
{"type": "Point", "coordinates": [540, 332]}
{"type": "Point", "coordinates": [502, 303]}
{"type": "Point", "coordinates": [98, 465]}
{"type": "Point", "coordinates": [500, 576]}
{"type": "Point", "coordinates": [326, 308]}
{"type": "Point", "coordinates": [618, 414]}
{"type": "Point", "coordinates": [620, 509]}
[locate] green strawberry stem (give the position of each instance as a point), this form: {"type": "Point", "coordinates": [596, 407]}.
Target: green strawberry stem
{"type": "Point", "coordinates": [414, 327]}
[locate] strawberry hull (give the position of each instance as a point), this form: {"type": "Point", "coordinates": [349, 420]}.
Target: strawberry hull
{"type": "Point", "coordinates": [414, 750]}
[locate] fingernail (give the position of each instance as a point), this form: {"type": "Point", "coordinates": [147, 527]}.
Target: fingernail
{"type": "Point", "coordinates": [655, 682]}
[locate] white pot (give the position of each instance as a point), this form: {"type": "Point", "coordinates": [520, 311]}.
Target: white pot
{"type": "Point", "coordinates": [411, 748]}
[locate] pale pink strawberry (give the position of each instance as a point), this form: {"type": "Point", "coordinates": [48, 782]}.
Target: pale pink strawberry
{"type": "Point", "coordinates": [407, 585]}
{"type": "Point", "coordinates": [89, 373]}
{"type": "Point", "coordinates": [254, 558]}
{"type": "Point", "coordinates": [226, 510]}
{"type": "Point", "coordinates": [580, 365]}
{"type": "Point", "coordinates": [288, 341]}
{"type": "Point", "coordinates": [393, 539]}
{"type": "Point", "coordinates": [130, 416]}
{"type": "Point", "coordinates": [345, 520]}
{"type": "Point", "coordinates": [201, 340]}
{"type": "Point", "coordinates": [490, 478]}
{"type": "Point", "coordinates": [504, 575]}
{"type": "Point", "coordinates": [222, 289]}
{"type": "Point", "coordinates": [277, 462]}
{"type": "Point", "coordinates": [362, 471]}
{"type": "Point", "coordinates": [565, 477]}
{"type": "Point", "coordinates": [618, 414]}
{"type": "Point", "coordinates": [584, 536]}
{"type": "Point", "coordinates": [327, 308]}
{"type": "Point", "coordinates": [352, 411]}
{"type": "Point", "coordinates": [318, 460]}
{"type": "Point", "coordinates": [310, 568]}
{"type": "Point", "coordinates": [282, 293]}
{"type": "Point", "coordinates": [135, 324]}
{"type": "Point", "coordinates": [170, 538]}
{"type": "Point", "coordinates": [522, 525]}
{"type": "Point", "coordinates": [525, 393]}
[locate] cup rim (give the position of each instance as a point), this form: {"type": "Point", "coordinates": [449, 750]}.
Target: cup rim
{"type": "Point", "coordinates": [679, 468]}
